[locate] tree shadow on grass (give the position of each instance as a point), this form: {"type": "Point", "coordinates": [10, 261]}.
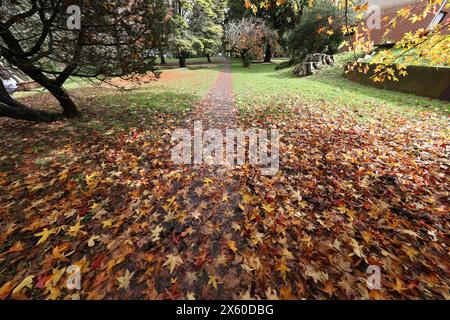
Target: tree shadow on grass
{"type": "Point", "coordinates": [330, 85]}
{"type": "Point", "coordinates": [359, 95]}
{"type": "Point", "coordinates": [105, 117]}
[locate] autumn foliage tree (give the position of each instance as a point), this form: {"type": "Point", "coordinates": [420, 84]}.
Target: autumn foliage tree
{"type": "Point", "coordinates": [430, 44]}
{"type": "Point", "coordinates": [113, 39]}
{"type": "Point", "coordinates": [281, 18]}
{"type": "Point", "coordinates": [246, 38]}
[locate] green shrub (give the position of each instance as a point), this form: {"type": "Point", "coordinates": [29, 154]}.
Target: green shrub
{"type": "Point", "coordinates": [247, 60]}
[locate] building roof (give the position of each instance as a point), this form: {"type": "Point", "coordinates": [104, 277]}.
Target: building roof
{"type": "Point", "coordinates": [404, 25]}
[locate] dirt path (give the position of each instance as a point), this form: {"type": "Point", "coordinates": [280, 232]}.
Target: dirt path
{"type": "Point", "coordinates": [218, 110]}
{"type": "Point", "coordinates": [211, 200]}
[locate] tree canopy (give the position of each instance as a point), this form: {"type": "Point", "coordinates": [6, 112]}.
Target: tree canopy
{"type": "Point", "coordinates": [320, 30]}
{"type": "Point", "coordinates": [199, 27]}
{"type": "Point", "coordinates": [110, 39]}
{"type": "Point", "coordinates": [247, 36]}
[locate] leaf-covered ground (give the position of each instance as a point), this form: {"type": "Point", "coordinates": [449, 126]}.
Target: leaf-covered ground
{"type": "Point", "coordinates": [356, 187]}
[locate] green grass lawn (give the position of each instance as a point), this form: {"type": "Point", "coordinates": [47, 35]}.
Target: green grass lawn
{"type": "Point", "coordinates": [261, 85]}
{"type": "Point", "coordinates": [279, 60]}
{"type": "Point", "coordinates": [173, 97]}
{"type": "Point", "coordinates": [71, 84]}
{"type": "Point", "coordinates": [74, 83]}
{"type": "Point", "coordinates": [109, 107]}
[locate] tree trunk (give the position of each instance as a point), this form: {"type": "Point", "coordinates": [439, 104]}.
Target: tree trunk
{"type": "Point", "coordinates": [209, 58]}
{"type": "Point", "coordinates": [12, 108]}
{"type": "Point", "coordinates": [28, 114]}
{"type": "Point", "coordinates": [268, 55]}
{"type": "Point", "coordinates": [243, 53]}
{"type": "Point", "coordinates": [26, 66]}
{"type": "Point", "coordinates": [161, 56]}
{"type": "Point", "coordinates": [70, 109]}
{"type": "Point", "coordinates": [56, 89]}
{"type": "Point", "coordinates": [182, 60]}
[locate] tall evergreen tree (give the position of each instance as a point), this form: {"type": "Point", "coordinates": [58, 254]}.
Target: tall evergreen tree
{"type": "Point", "coordinates": [199, 27]}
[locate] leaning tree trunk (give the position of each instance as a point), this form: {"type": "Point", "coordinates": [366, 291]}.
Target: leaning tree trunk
{"type": "Point", "coordinates": [54, 87]}
{"type": "Point", "coordinates": [18, 58]}
{"type": "Point", "coordinates": [209, 58]}
{"type": "Point", "coordinates": [12, 108]}
{"type": "Point", "coordinates": [69, 107]}
{"type": "Point", "coordinates": [268, 54]}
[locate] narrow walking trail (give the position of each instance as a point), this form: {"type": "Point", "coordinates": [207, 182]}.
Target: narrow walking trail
{"type": "Point", "coordinates": [218, 110]}
{"type": "Point", "coordinates": [211, 196]}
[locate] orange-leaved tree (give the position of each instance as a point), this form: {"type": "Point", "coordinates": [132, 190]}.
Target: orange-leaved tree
{"type": "Point", "coordinates": [425, 37]}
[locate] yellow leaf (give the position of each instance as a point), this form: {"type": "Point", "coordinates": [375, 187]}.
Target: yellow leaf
{"type": "Point", "coordinates": [207, 181]}
{"type": "Point", "coordinates": [232, 246]}
{"type": "Point", "coordinates": [287, 254]}
{"type": "Point", "coordinates": [91, 180]}
{"type": "Point", "coordinates": [57, 274]}
{"type": "Point", "coordinates": [267, 207]}
{"type": "Point", "coordinates": [282, 268]}
{"type": "Point", "coordinates": [54, 294]}
{"type": "Point", "coordinates": [107, 223]}
{"type": "Point", "coordinates": [58, 251]}
{"type": "Point", "coordinates": [225, 198]}
{"type": "Point", "coordinates": [124, 281]}
{"type": "Point", "coordinates": [247, 198]}
{"type": "Point", "coordinates": [190, 296]}
{"type": "Point", "coordinates": [26, 283]}
{"type": "Point", "coordinates": [44, 235]}
{"type": "Point", "coordinates": [173, 261]}
{"type": "Point", "coordinates": [75, 229]}
{"type": "Point", "coordinates": [411, 253]}
{"type": "Point", "coordinates": [213, 281]}
{"type": "Point", "coordinates": [356, 248]}
{"type": "Point", "coordinates": [91, 241]}
{"type": "Point", "coordinates": [172, 200]}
